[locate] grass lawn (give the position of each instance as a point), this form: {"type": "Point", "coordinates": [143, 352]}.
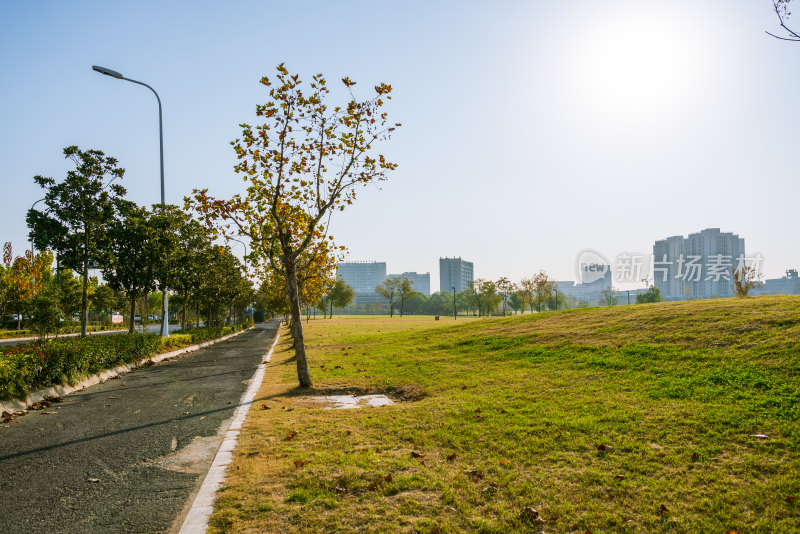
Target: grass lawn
{"type": "Point", "coordinates": [626, 419]}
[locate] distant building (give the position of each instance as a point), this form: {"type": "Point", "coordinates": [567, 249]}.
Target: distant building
{"type": "Point", "coordinates": [596, 278]}
{"type": "Point", "coordinates": [786, 285]}
{"type": "Point", "coordinates": [455, 272]}
{"type": "Point", "coordinates": [363, 277]}
{"type": "Point", "coordinates": [421, 282]}
{"type": "Point", "coordinates": [697, 267]}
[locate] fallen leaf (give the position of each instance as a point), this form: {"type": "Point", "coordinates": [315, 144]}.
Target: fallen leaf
{"type": "Point", "coordinates": [695, 456]}
{"type": "Point", "coordinates": [529, 513]}
{"type": "Point", "coordinates": [790, 499]}
{"type": "Point", "coordinates": [299, 463]}
{"type": "Point", "coordinates": [94, 480]}
{"type": "Point", "coordinates": [463, 387]}
{"type": "Point", "coordinates": [415, 454]}
{"type": "Point", "coordinates": [265, 407]}
{"type": "Point", "coordinates": [662, 510]}
{"type": "Point", "coordinates": [340, 489]}
{"type": "Point", "coordinates": [504, 462]}
{"type": "Point", "coordinates": [112, 397]}
{"type": "Point", "coordinates": [451, 457]}
{"type": "Point", "coordinates": [474, 474]}
{"type": "Point", "coordinates": [254, 453]}
{"type": "Point", "coordinates": [619, 477]}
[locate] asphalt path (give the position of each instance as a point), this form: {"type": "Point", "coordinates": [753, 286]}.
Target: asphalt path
{"type": "Point", "coordinates": [151, 329]}
{"type": "Point", "coordinates": [125, 455]}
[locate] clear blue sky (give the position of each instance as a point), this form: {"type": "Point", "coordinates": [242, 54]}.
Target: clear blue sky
{"type": "Point", "coordinates": [532, 129]}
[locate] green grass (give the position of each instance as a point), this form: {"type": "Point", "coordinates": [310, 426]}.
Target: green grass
{"type": "Point", "coordinates": [674, 391]}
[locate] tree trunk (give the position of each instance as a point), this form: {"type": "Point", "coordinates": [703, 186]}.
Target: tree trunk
{"type": "Point", "coordinates": [164, 318]}
{"type": "Point", "coordinates": [132, 324]}
{"type": "Point", "coordinates": [331, 314]}
{"type": "Point", "coordinates": [296, 326]}
{"type": "Point", "coordinates": [183, 314]}
{"type": "Point", "coordinates": [85, 295]}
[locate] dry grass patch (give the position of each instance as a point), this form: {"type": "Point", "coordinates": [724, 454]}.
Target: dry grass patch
{"type": "Point", "coordinates": [595, 419]}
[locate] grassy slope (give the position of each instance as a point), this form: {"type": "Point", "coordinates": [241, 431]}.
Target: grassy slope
{"type": "Point", "coordinates": [675, 390]}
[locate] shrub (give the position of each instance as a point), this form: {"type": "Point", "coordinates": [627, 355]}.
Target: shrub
{"type": "Point", "coordinates": [66, 360]}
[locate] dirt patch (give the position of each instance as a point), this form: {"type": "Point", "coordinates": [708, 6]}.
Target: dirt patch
{"type": "Point", "coordinates": [406, 393]}
{"type": "Point", "coordinates": [346, 402]}
{"type": "Point", "coordinates": [194, 458]}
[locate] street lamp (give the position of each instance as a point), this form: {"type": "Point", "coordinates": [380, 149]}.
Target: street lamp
{"type": "Point", "coordinates": [115, 74]}
{"type": "Point", "coordinates": [455, 317]}
{"type": "Point", "coordinates": [33, 252]}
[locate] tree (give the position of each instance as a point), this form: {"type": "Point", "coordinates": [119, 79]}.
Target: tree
{"type": "Point", "coordinates": [608, 297]}
{"type": "Point", "coordinates": [79, 211]}
{"type": "Point", "coordinates": [45, 311]}
{"type": "Point", "coordinates": [485, 295]}
{"type": "Point", "coordinates": [388, 290]}
{"type": "Point", "coordinates": [517, 301]}
{"type": "Point", "coordinates": [539, 290]}
{"type": "Point", "coordinates": [303, 162]}
{"type": "Point", "coordinates": [651, 295]}
{"type": "Point", "coordinates": [527, 287]}
{"type": "Point", "coordinates": [195, 249]}
{"type": "Point", "coordinates": [505, 289]}
{"type": "Point", "coordinates": [745, 278]}
{"type": "Point", "coordinates": [341, 295]}
{"type": "Point", "coordinates": [781, 8]}
{"type": "Point", "coordinates": [132, 258]}
{"type": "Point", "coordinates": [405, 290]}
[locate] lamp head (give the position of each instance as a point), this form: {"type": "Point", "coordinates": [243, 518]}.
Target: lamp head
{"type": "Point", "coordinates": [107, 72]}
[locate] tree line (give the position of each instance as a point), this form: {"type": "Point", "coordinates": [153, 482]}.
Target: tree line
{"type": "Point", "coordinates": [87, 223]}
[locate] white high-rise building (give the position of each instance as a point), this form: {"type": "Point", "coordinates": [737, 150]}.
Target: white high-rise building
{"type": "Point", "coordinates": [698, 266]}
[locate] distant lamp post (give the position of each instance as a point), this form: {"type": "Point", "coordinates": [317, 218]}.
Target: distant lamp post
{"type": "Point", "coordinates": [455, 317]}
{"type": "Point", "coordinates": [33, 254]}
{"type": "Point", "coordinates": [115, 74]}
{"type": "Point", "coordinates": [244, 258]}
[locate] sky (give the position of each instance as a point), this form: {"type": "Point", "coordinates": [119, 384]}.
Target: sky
{"type": "Point", "coordinates": [531, 130]}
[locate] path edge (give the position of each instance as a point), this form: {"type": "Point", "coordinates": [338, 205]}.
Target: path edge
{"type": "Point", "coordinates": [196, 520]}
{"type": "Point", "coordinates": [13, 405]}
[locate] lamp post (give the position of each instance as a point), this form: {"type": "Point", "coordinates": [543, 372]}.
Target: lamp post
{"type": "Point", "coordinates": [244, 258]}
{"type": "Point", "coordinates": [33, 253]}
{"type": "Point", "coordinates": [455, 317]}
{"type": "Point", "coordinates": [117, 75]}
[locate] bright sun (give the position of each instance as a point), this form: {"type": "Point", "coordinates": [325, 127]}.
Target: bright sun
{"type": "Point", "coordinates": [634, 65]}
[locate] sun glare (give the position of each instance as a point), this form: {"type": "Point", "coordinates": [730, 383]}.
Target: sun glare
{"type": "Point", "coordinates": [635, 65]}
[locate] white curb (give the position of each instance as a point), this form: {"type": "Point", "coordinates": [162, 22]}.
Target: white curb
{"type": "Point", "coordinates": [59, 391]}
{"type": "Point", "coordinates": [197, 519]}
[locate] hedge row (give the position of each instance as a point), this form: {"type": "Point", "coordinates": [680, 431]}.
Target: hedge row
{"type": "Point", "coordinates": [10, 334]}
{"type": "Point", "coordinates": [24, 368]}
